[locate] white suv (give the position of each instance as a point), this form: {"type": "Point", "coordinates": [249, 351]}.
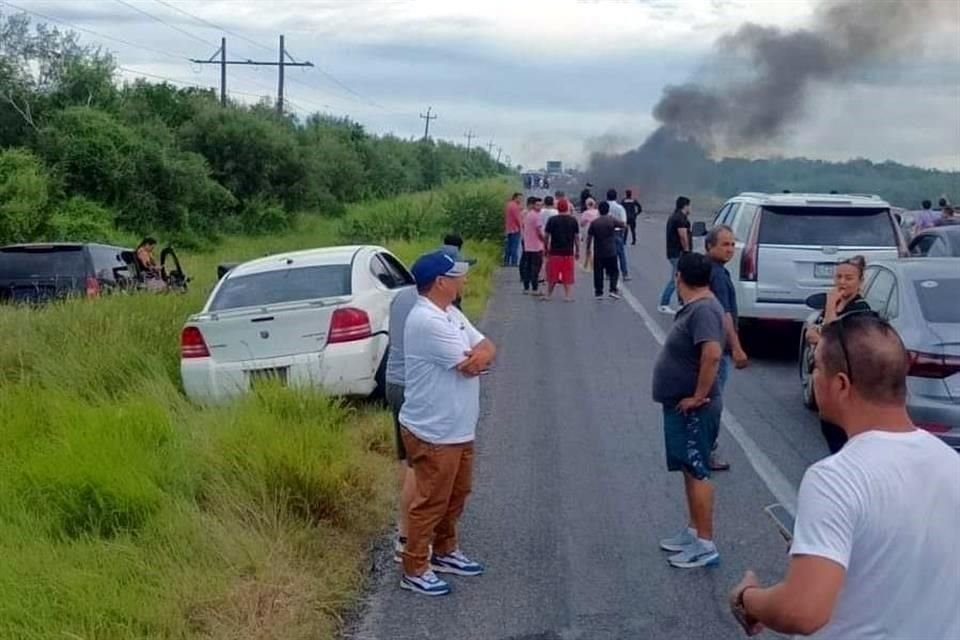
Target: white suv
{"type": "Point", "coordinates": [788, 245]}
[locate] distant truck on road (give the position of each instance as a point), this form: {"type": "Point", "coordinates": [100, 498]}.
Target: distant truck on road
{"type": "Point", "coordinates": [554, 168]}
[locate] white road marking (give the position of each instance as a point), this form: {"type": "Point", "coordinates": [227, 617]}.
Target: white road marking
{"type": "Point", "coordinates": [778, 484]}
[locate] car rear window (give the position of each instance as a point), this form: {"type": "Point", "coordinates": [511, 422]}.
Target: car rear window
{"type": "Point", "coordinates": [31, 263]}
{"type": "Point", "coordinates": [832, 226]}
{"type": "Point", "coordinates": [938, 299]}
{"type": "Point", "coordinates": [288, 285]}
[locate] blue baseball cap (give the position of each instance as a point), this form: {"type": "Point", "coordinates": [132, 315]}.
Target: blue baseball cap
{"type": "Point", "coordinates": [431, 266]}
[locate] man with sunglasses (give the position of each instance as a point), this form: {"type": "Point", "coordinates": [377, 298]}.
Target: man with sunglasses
{"type": "Point", "coordinates": [443, 356]}
{"type": "Point", "coordinates": [874, 552]}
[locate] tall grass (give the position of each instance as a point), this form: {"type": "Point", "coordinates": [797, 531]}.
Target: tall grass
{"type": "Point", "coordinates": [127, 512]}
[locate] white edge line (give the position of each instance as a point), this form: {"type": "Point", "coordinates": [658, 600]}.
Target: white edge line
{"type": "Point", "coordinates": [778, 484]}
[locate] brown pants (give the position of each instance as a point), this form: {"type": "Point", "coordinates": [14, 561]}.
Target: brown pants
{"type": "Point", "coordinates": [444, 478]}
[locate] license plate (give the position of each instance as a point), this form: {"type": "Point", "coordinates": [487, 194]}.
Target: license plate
{"type": "Point", "coordinates": [261, 376]}
{"type": "Point", "coordinates": [824, 269]}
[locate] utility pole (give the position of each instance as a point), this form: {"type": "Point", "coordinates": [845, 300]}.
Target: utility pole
{"type": "Point", "coordinates": [499, 151]}
{"type": "Point", "coordinates": [428, 118]}
{"type": "Point", "coordinates": [469, 135]}
{"type": "Point", "coordinates": [490, 148]}
{"type": "Point", "coordinates": [285, 60]}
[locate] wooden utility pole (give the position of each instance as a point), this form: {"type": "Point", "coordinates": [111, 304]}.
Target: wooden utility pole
{"type": "Point", "coordinates": [282, 63]}
{"type": "Point", "coordinates": [490, 148]}
{"type": "Point", "coordinates": [426, 127]}
{"type": "Point", "coordinates": [499, 151]}
{"type": "Point", "coordinates": [469, 135]}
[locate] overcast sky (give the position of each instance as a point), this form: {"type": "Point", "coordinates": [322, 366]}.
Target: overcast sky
{"type": "Point", "coordinates": [544, 79]}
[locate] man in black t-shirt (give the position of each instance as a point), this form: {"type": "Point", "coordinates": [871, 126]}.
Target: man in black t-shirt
{"type": "Point", "coordinates": [678, 243]}
{"type": "Point", "coordinates": [602, 238]}
{"type": "Point", "coordinates": [563, 249]}
{"type": "Point", "coordinates": [633, 209]}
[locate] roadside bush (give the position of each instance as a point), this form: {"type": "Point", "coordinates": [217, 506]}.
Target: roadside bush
{"type": "Point", "coordinates": [477, 212]}
{"type": "Point", "coordinates": [263, 216]}
{"type": "Point", "coordinates": [402, 218]}
{"type": "Point", "coordinates": [79, 219]}
{"type": "Point", "coordinates": [24, 195]}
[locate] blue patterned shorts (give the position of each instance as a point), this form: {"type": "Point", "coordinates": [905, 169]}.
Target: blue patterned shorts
{"type": "Point", "coordinates": [690, 438]}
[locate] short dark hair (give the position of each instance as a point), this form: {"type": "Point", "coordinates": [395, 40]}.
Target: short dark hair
{"type": "Point", "coordinates": [531, 200]}
{"type": "Point", "coordinates": [548, 201]}
{"type": "Point", "coordinates": [878, 363]}
{"type": "Point", "coordinates": [629, 193]}
{"type": "Point", "coordinates": [713, 236]}
{"type": "Point", "coordinates": [560, 194]}
{"type": "Point", "coordinates": [147, 241]}
{"type": "Point", "coordinates": [694, 269]}
{"type": "Point", "coordinates": [537, 199]}
{"type": "Point", "coordinates": [611, 194]}
{"type": "Point", "coordinates": [943, 202]}
{"type": "Point", "coordinates": [604, 208]}
{"type": "Point", "coordinates": [454, 240]}
{"type": "Point", "coordinates": [682, 202]}
{"type": "Point", "coordinates": [516, 195]}
{"type": "Point", "coordinates": [926, 204]}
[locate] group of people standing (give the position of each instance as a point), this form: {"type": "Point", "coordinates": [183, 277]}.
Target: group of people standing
{"type": "Point", "coordinates": [544, 240]}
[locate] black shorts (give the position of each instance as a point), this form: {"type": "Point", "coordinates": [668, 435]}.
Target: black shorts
{"type": "Point", "coordinates": [394, 395]}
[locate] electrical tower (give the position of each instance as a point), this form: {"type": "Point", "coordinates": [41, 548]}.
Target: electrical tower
{"type": "Point", "coordinates": [281, 64]}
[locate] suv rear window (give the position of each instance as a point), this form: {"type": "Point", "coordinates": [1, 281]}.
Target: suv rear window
{"type": "Point", "coordinates": [832, 226]}
{"type": "Point", "coordinates": [288, 285]}
{"type": "Point", "coordinates": [938, 299]}
{"type": "Point", "coordinates": [35, 263]}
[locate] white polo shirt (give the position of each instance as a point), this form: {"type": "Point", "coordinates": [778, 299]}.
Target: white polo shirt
{"type": "Point", "coordinates": [440, 405]}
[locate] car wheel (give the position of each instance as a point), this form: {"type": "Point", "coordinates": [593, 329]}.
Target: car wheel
{"type": "Point", "coordinates": [806, 377]}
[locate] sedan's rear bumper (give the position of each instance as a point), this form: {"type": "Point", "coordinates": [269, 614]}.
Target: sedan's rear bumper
{"type": "Point", "coordinates": [939, 417]}
{"type": "Point", "coordinates": [347, 369]}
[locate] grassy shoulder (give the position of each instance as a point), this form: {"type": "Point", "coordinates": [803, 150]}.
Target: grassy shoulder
{"type": "Point", "coordinates": [126, 511]}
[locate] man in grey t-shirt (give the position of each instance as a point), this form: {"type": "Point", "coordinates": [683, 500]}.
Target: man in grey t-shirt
{"type": "Point", "coordinates": [685, 383]}
{"type": "Point", "coordinates": [396, 380]}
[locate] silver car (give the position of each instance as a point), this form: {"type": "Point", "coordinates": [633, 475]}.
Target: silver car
{"type": "Point", "coordinates": [920, 297]}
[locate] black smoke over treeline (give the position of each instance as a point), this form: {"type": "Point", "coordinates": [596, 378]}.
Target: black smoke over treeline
{"type": "Point", "coordinates": [759, 83]}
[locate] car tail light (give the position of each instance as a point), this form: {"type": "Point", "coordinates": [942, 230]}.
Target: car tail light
{"type": "Point", "coordinates": [192, 344]}
{"type": "Point", "coordinates": [751, 250]}
{"type": "Point", "coordinates": [92, 287]}
{"type": "Point", "coordinates": [349, 324]}
{"type": "Point", "coordinates": [932, 365]}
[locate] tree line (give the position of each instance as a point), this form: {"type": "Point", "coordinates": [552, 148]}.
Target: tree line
{"type": "Point", "coordinates": [83, 157]}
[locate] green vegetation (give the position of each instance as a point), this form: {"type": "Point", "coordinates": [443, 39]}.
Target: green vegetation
{"type": "Point", "coordinates": [127, 512]}
{"type": "Point", "coordinates": [154, 159]}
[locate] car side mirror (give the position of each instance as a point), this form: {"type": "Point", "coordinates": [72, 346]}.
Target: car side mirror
{"type": "Point", "coordinates": [817, 301]}
{"type": "Point", "coordinates": [225, 268]}
{"type": "Point", "coordinates": [699, 229]}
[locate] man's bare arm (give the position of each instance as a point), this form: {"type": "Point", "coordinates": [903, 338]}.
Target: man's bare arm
{"type": "Point", "coordinates": [803, 603]}
{"type": "Point", "coordinates": [684, 238]}
{"type": "Point", "coordinates": [710, 355]}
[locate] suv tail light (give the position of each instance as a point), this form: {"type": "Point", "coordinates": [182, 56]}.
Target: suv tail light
{"type": "Point", "coordinates": [932, 365]}
{"type": "Point", "coordinates": [192, 344]}
{"type": "Point", "coordinates": [349, 324]}
{"type": "Point", "coordinates": [92, 287]}
{"type": "Point", "coordinates": [751, 250]}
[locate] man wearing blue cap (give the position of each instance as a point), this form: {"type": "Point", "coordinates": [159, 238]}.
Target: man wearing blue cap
{"type": "Point", "coordinates": [444, 355]}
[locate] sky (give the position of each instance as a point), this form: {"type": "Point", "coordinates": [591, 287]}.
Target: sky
{"type": "Point", "coordinates": [540, 79]}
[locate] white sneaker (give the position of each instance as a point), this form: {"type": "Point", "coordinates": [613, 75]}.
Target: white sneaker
{"type": "Point", "coordinates": [428, 584]}
{"type": "Point", "coordinates": [667, 310]}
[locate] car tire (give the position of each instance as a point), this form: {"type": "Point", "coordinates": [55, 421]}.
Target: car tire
{"type": "Point", "coordinates": [806, 378]}
{"type": "Point", "coordinates": [380, 392]}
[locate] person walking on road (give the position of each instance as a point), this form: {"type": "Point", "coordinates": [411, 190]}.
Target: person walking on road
{"type": "Point", "coordinates": [678, 243]}
{"type": "Point", "coordinates": [927, 217]}
{"type": "Point", "coordinates": [633, 209]}
{"type": "Point", "coordinates": [618, 213]}
{"type": "Point", "coordinates": [602, 247]}
{"type": "Point", "coordinates": [686, 384]}
{"type": "Point", "coordinates": [563, 250]}
{"type": "Point", "coordinates": [531, 262]}
{"type": "Point", "coordinates": [842, 299]}
{"type": "Point", "coordinates": [396, 380]}
{"type": "Point", "coordinates": [512, 226]}
{"type": "Point", "coordinates": [563, 202]}
{"type": "Point", "coordinates": [720, 246]}
{"type": "Point", "coordinates": [874, 551]}
{"type": "Point", "coordinates": [444, 357]}
{"type": "Point", "coordinates": [585, 195]}
{"type": "Point", "coordinates": [549, 210]}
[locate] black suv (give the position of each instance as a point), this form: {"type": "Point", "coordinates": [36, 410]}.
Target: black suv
{"type": "Point", "coordinates": [38, 273]}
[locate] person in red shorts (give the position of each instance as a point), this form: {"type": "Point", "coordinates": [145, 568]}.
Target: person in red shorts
{"type": "Point", "coordinates": [563, 250]}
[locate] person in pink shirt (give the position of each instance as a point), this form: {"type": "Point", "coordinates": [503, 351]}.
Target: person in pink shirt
{"type": "Point", "coordinates": [589, 215]}
{"type": "Point", "coordinates": [531, 262]}
{"type": "Point", "coordinates": [512, 226]}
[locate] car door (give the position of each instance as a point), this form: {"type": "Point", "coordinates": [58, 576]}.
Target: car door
{"type": "Point", "coordinates": [921, 244]}
{"type": "Point", "coordinates": [880, 290]}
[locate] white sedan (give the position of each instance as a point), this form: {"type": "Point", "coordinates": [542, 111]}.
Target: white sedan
{"type": "Point", "coordinates": [315, 318]}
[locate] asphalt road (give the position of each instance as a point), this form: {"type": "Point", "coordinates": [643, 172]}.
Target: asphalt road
{"type": "Point", "coordinates": [571, 492]}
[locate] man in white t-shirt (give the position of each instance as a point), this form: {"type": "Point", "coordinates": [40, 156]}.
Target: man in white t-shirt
{"type": "Point", "coordinates": [876, 547]}
{"type": "Point", "coordinates": [444, 356]}
{"type": "Point", "coordinates": [617, 212]}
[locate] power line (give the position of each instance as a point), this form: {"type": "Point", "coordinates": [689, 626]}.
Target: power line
{"type": "Point", "coordinates": [162, 21]}
{"type": "Point", "coordinates": [213, 25]}
{"type": "Point", "coordinates": [92, 32]}
{"type": "Point", "coordinates": [184, 82]}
